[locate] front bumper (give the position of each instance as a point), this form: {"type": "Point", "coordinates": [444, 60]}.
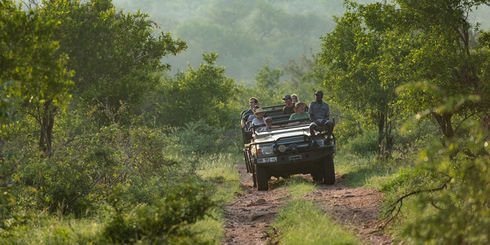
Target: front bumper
{"type": "Point", "coordinates": [296, 158]}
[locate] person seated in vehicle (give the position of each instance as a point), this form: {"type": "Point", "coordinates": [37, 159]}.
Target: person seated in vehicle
{"type": "Point", "coordinates": [259, 118]}
{"type": "Point", "coordinates": [319, 114]}
{"type": "Point", "coordinates": [288, 105]}
{"type": "Point", "coordinates": [295, 99]}
{"type": "Point", "coordinates": [268, 125]}
{"type": "Point", "coordinates": [299, 111]}
{"type": "Point", "coordinates": [253, 102]}
{"type": "Point", "coordinates": [252, 116]}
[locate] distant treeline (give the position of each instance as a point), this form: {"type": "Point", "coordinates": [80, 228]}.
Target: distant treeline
{"type": "Point", "coordinates": [248, 34]}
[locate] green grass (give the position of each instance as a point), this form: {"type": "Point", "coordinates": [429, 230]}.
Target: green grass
{"type": "Point", "coordinates": [220, 169]}
{"type": "Point", "coordinates": [53, 230]}
{"type": "Point", "coordinates": [301, 222]}
{"type": "Point", "coordinates": [368, 172]}
{"type": "Point", "coordinates": [298, 187]}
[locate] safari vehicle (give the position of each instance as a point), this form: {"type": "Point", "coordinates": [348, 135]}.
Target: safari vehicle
{"type": "Point", "coordinates": [288, 149]}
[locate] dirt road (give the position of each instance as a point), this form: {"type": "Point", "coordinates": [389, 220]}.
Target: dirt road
{"type": "Point", "coordinates": [249, 216]}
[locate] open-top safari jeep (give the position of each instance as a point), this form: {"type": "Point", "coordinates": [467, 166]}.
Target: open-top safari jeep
{"type": "Point", "coordinates": [287, 149]}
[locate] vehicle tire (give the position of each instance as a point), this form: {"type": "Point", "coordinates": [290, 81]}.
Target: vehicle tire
{"type": "Point", "coordinates": [328, 171]}
{"type": "Point", "coordinates": [262, 178]}
{"type": "Point", "coordinates": [317, 177]}
{"type": "Point", "coordinates": [254, 178]}
{"type": "Point", "coordinates": [247, 160]}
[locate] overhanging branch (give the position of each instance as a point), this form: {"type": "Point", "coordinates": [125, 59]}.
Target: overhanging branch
{"type": "Point", "coordinates": [397, 205]}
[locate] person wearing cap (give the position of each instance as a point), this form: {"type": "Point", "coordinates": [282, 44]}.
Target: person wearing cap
{"type": "Point", "coordinates": [288, 105]}
{"type": "Point", "coordinates": [299, 111]}
{"type": "Point", "coordinates": [319, 114]}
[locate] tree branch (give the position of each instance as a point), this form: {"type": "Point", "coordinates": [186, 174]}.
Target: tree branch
{"type": "Point", "coordinates": [397, 205]}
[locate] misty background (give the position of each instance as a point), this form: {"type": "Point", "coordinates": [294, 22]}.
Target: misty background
{"type": "Point", "coordinates": [249, 34]}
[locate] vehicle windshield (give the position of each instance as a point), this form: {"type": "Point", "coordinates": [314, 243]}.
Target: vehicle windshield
{"type": "Point", "coordinates": [280, 121]}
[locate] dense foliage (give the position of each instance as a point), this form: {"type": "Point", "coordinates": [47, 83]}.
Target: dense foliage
{"type": "Point", "coordinates": [389, 61]}
{"type": "Point", "coordinates": [78, 135]}
{"type": "Point", "coordinates": [94, 127]}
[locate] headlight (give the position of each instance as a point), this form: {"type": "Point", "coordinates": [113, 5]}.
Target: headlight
{"type": "Point", "coordinates": [265, 149]}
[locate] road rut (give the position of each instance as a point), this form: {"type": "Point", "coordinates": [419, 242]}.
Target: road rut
{"type": "Point", "coordinates": [249, 216]}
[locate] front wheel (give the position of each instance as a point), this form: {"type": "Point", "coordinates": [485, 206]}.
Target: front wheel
{"type": "Point", "coordinates": [262, 178]}
{"type": "Point", "coordinates": [328, 171]}
{"type": "Point", "coordinates": [317, 177]}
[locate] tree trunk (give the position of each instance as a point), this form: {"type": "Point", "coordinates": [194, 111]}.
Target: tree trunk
{"type": "Point", "coordinates": [381, 126]}
{"type": "Point", "coordinates": [444, 121]}
{"type": "Point", "coordinates": [384, 133]}
{"type": "Point", "coordinates": [47, 123]}
{"type": "Point", "coordinates": [389, 138]}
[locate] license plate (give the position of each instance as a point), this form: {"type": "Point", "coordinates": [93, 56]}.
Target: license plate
{"type": "Point", "coordinates": [295, 158]}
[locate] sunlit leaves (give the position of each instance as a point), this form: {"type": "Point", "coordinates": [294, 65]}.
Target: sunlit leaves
{"type": "Point", "coordinates": [202, 93]}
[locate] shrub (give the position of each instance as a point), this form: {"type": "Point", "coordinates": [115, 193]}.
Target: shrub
{"type": "Point", "coordinates": [364, 144]}
{"type": "Point", "coordinates": [200, 138]}
{"type": "Point", "coordinates": [449, 191]}
{"type": "Point", "coordinates": [166, 219]}
{"type": "Point", "coordinates": [61, 186]}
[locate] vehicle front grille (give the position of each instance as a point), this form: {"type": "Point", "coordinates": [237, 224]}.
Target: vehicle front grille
{"type": "Point", "coordinates": [291, 140]}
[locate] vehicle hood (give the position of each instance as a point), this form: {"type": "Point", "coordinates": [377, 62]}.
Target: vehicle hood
{"type": "Point", "coordinates": [274, 135]}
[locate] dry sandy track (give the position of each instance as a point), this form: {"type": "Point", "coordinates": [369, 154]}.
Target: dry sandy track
{"type": "Point", "coordinates": [249, 216]}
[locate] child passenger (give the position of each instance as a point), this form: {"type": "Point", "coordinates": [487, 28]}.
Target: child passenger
{"type": "Point", "coordinates": [299, 111]}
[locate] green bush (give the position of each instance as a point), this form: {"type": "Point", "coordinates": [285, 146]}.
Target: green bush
{"type": "Point", "coordinates": [451, 189]}
{"type": "Point", "coordinates": [364, 144]}
{"type": "Point", "coordinates": [164, 221]}
{"type": "Point", "coordinates": [61, 186]}
{"type": "Point", "coordinates": [200, 137]}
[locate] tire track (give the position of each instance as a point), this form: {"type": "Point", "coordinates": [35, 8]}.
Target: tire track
{"type": "Point", "coordinates": [249, 216]}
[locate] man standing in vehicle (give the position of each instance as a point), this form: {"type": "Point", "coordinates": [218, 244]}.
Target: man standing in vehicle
{"type": "Point", "coordinates": [319, 113]}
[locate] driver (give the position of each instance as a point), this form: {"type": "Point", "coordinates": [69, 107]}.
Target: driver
{"type": "Point", "coordinates": [319, 113]}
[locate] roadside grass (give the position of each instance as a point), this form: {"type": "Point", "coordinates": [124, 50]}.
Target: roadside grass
{"type": "Point", "coordinates": [368, 171]}
{"type": "Point", "coordinates": [50, 229]}
{"type": "Point", "coordinates": [221, 170]}
{"type": "Point", "coordinates": [302, 222]}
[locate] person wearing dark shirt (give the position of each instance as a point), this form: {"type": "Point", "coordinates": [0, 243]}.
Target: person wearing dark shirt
{"type": "Point", "coordinates": [253, 102]}
{"type": "Point", "coordinates": [319, 113]}
{"type": "Point", "coordinates": [288, 105]}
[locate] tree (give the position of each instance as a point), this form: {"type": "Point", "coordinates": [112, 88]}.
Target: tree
{"type": "Point", "coordinates": [115, 55]}
{"type": "Point", "coordinates": [444, 64]}
{"type": "Point", "coordinates": [267, 78]}
{"type": "Point", "coordinates": [354, 55]}
{"type": "Point", "coordinates": [33, 67]}
{"type": "Point", "coordinates": [202, 93]}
